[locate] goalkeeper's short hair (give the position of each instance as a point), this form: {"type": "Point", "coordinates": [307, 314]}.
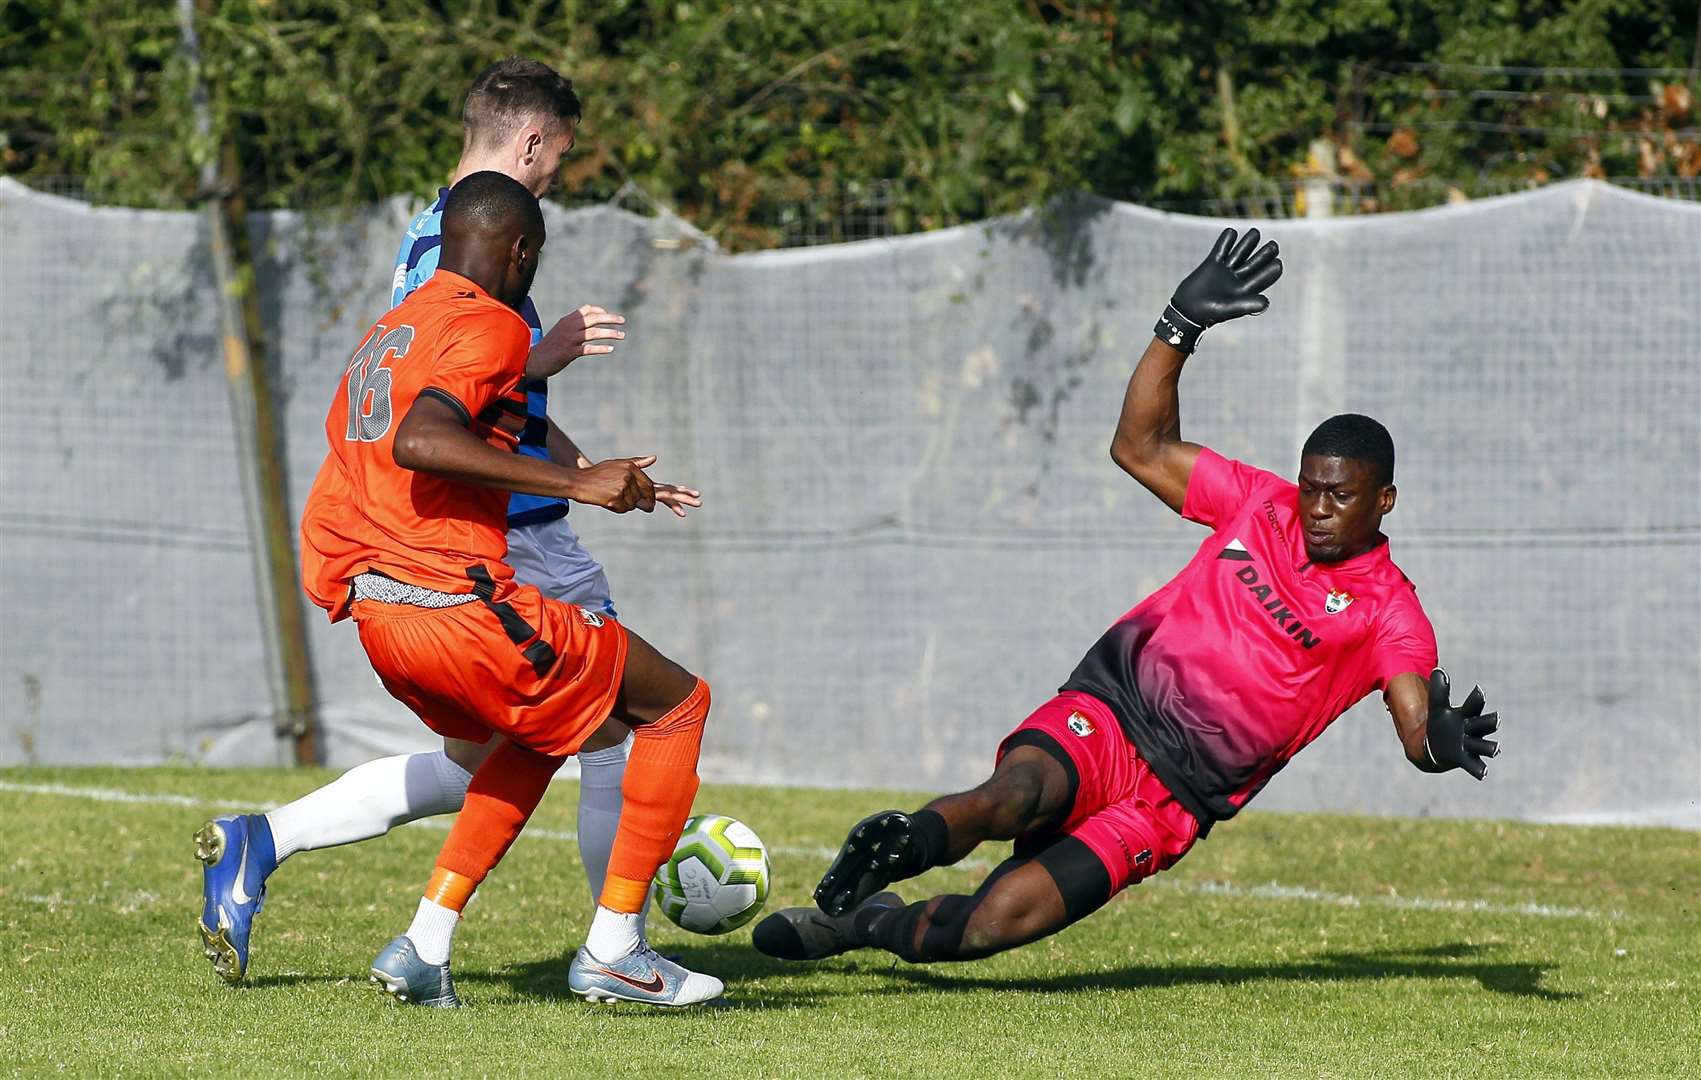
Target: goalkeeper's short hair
{"type": "Point", "coordinates": [1361, 438]}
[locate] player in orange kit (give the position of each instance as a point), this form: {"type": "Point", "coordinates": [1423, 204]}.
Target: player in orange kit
{"type": "Point", "coordinates": [405, 530]}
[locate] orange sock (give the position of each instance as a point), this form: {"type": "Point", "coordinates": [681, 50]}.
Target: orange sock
{"type": "Point", "coordinates": [503, 793]}
{"type": "Point", "coordinates": [661, 781]}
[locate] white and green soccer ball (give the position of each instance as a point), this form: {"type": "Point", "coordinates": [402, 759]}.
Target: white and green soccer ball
{"type": "Point", "coordinates": [717, 879]}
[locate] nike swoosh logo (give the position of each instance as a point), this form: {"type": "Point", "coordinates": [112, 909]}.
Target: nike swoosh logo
{"type": "Point", "coordinates": [654, 986]}
{"type": "Point", "coordinates": [239, 891]}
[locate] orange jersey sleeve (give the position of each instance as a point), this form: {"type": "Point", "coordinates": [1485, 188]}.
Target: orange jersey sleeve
{"type": "Point", "coordinates": [449, 340]}
{"type": "Point", "coordinates": [463, 375]}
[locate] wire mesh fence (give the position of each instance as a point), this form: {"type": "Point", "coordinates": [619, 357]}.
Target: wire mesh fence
{"type": "Point", "coordinates": [1293, 198]}
{"type": "Point", "coordinates": [913, 529]}
{"type": "Point", "coordinates": [878, 209]}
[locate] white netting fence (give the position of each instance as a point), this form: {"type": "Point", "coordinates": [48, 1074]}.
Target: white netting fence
{"type": "Point", "coordinates": [913, 526]}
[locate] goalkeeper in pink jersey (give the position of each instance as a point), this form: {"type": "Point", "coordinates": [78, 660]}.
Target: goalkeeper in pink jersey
{"type": "Point", "coordinates": [1291, 611]}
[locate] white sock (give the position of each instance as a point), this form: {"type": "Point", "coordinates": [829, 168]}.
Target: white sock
{"type": "Point", "coordinates": [601, 773]}
{"type": "Point", "coordinates": [369, 800]}
{"type": "Point", "coordinates": [433, 931]}
{"type": "Point", "coordinates": [614, 934]}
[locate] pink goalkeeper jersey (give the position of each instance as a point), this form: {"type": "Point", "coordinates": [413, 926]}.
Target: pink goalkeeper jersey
{"type": "Point", "coordinates": [1225, 673]}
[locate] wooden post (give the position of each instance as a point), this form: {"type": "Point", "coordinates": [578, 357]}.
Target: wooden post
{"type": "Point", "coordinates": [259, 448]}
{"type": "Point", "coordinates": [1231, 118]}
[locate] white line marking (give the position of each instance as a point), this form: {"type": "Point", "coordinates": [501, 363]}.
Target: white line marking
{"type": "Point", "coordinates": [1275, 891]}
{"type": "Point", "coordinates": [1269, 891]}
{"type": "Point", "coordinates": [113, 795]}
{"type": "Point", "coordinates": [161, 799]}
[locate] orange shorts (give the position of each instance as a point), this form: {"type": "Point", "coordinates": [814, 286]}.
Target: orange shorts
{"type": "Point", "coordinates": [541, 672]}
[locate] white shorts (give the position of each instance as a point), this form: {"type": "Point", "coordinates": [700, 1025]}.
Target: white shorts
{"type": "Point", "coordinates": [549, 556]}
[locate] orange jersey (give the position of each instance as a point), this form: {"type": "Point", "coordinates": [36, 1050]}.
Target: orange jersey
{"type": "Point", "coordinates": [452, 341]}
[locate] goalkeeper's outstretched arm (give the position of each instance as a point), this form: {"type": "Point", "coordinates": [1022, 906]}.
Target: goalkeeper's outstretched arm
{"type": "Point", "coordinates": [1148, 445]}
{"type": "Point", "coordinates": [1437, 735]}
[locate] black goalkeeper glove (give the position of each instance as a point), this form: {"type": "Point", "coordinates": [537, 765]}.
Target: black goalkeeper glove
{"type": "Point", "coordinates": [1455, 736]}
{"type": "Point", "coordinates": [1225, 286]}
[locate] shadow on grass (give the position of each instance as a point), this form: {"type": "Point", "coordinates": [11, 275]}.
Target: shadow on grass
{"type": "Point", "coordinates": [299, 978]}
{"type": "Point", "coordinates": [758, 983]}
{"type": "Point", "coordinates": [1455, 961]}
{"type": "Point", "coordinates": [739, 965]}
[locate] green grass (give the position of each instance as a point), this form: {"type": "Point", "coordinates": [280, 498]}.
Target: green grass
{"type": "Point", "coordinates": [1370, 956]}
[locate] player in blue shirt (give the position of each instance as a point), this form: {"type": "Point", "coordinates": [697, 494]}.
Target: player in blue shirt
{"type": "Point", "coordinates": [520, 119]}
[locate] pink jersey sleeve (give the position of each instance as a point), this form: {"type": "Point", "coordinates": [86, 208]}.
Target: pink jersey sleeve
{"type": "Point", "coordinates": [1404, 642]}
{"type": "Point", "coordinates": [1219, 486]}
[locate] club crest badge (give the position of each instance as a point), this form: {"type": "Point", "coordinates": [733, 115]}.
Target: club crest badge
{"type": "Point", "coordinates": [1338, 601]}
{"type": "Point", "coordinates": [1080, 725]}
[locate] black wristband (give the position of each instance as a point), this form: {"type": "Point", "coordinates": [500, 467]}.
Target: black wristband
{"type": "Point", "coordinates": [1177, 330]}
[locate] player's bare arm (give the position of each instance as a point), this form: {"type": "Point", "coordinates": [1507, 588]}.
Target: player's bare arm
{"type": "Point", "coordinates": [1407, 698]}
{"type": "Point", "coordinates": [564, 450]}
{"type": "Point", "coordinates": [588, 331]}
{"type": "Point", "coordinates": [433, 438]}
{"type": "Point", "coordinates": [1227, 285]}
{"type": "Point", "coordinates": [1439, 737]}
{"type": "Point", "coordinates": [1148, 445]}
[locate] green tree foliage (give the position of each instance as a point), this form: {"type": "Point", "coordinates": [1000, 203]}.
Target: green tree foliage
{"type": "Point", "coordinates": [744, 114]}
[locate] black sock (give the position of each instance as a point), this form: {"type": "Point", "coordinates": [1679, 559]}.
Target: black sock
{"type": "Point", "coordinates": [893, 928]}
{"type": "Point", "coordinates": [889, 928]}
{"type": "Point", "coordinates": [930, 842]}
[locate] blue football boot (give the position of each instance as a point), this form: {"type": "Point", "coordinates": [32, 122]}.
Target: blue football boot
{"type": "Point", "coordinates": [238, 856]}
{"type": "Point", "coordinates": [399, 972]}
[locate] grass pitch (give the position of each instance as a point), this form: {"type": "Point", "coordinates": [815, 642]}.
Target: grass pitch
{"type": "Point", "coordinates": [1285, 945]}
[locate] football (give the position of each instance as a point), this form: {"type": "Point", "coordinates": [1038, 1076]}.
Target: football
{"type": "Point", "coordinates": [717, 879]}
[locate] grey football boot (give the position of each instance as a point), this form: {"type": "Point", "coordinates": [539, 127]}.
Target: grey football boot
{"type": "Point", "coordinates": [641, 975]}
{"type": "Point", "coordinates": [807, 933]}
{"type": "Point", "coordinates": [399, 972]}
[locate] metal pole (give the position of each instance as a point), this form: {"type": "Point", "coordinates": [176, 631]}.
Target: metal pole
{"type": "Point", "coordinates": [259, 448]}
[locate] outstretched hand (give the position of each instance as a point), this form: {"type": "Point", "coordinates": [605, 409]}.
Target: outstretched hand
{"type": "Point", "coordinates": [589, 331]}
{"type": "Point", "coordinates": [678, 498]}
{"type": "Point", "coordinates": [1457, 737]}
{"type": "Point", "coordinates": [1229, 284]}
